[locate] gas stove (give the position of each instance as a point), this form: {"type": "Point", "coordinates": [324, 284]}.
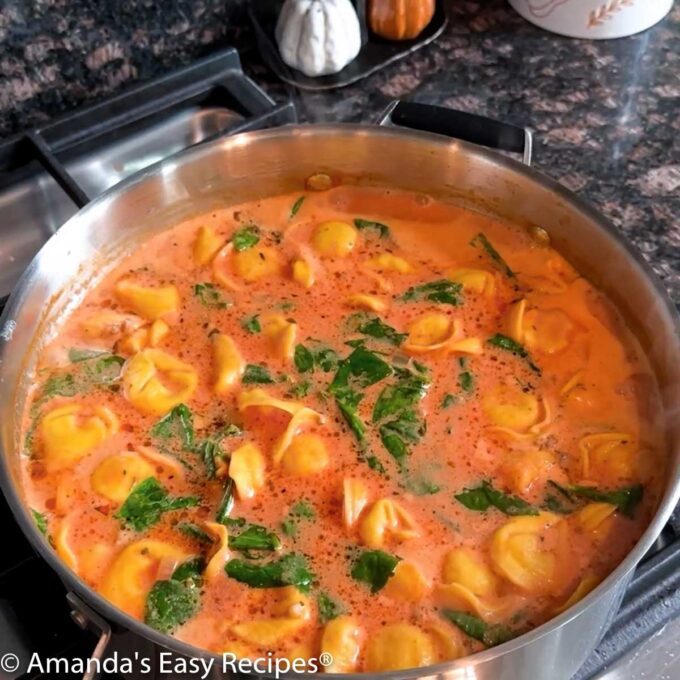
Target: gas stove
{"type": "Point", "coordinates": [46, 174]}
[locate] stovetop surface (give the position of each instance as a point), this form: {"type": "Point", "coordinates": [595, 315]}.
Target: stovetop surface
{"type": "Point", "coordinates": [98, 148]}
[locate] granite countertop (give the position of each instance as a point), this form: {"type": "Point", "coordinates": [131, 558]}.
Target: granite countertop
{"type": "Point", "coordinates": [605, 113]}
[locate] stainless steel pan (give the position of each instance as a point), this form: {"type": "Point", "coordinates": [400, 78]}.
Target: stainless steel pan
{"type": "Point", "coordinates": [264, 163]}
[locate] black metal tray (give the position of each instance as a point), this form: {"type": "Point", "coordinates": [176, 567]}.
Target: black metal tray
{"type": "Point", "coordinates": [375, 53]}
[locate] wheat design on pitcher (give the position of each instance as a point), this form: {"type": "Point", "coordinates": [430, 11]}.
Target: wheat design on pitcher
{"type": "Point", "coordinates": [606, 11]}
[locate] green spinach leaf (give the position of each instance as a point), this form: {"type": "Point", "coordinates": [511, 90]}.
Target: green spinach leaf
{"type": "Point", "coordinates": [381, 229]}
{"type": "Point", "coordinates": [76, 355]}
{"type": "Point", "coordinates": [254, 537]}
{"type": "Point", "coordinates": [302, 510]}
{"type": "Point", "coordinates": [304, 359]}
{"type": "Point", "coordinates": [375, 568]}
{"type": "Point", "coordinates": [172, 602]}
{"type": "Point", "coordinates": [179, 424]}
{"type": "Point", "coordinates": [626, 499]}
{"type": "Point", "coordinates": [483, 241]}
{"type": "Point", "coordinates": [448, 400]}
{"type": "Point", "coordinates": [147, 501]}
{"type": "Point", "coordinates": [483, 497]}
{"type": "Point", "coordinates": [509, 345]}
{"type": "Point", "coordinates": [376, 328]}
{"type": "Point", "coordinates": [226, 503]}
{"type": "Point", "coordinates": [254, 374]}
{"type": "Point", "coordinates": [194, 531]}
{"type": "Point", "coordinates": [296, 206]}
{"type": "Point", "coordinates": [251, 324]}
{"type": "Point", "coordinates": [329, 608]}
{"type": "Point", "coordinates": [41, 522]}
{"type": "Point", "coordinates": [476, 628]}
{"type": "Point", "coordinates": [289, 570]}
{"type": "Point", "coordinates": [443, 291]}
{"type": "Point", "coordinates": [210, 296]}
{"type": "Point", "coordinates": [245, 238]}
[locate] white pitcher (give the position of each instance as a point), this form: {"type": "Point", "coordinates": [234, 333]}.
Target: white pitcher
{"type": "Point", "coordinates": [595, 19]}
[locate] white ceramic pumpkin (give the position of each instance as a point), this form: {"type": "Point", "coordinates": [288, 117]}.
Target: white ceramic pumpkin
{"type": "Point", "coordinates": [318, 37]}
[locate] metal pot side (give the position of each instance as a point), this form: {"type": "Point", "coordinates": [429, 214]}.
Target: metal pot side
{"type": "Point", "coordinates": [265, 163]}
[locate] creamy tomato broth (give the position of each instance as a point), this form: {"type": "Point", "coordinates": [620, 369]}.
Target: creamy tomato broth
{"type": "Point", "coordinates": [357, 421]}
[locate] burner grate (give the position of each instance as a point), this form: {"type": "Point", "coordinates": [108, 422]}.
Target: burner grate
{"type": "Point", "coordinates": [46, 173]}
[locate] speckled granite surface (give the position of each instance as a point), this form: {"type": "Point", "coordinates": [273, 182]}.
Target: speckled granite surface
{"type": "Point", "coordinates": [606, 114]}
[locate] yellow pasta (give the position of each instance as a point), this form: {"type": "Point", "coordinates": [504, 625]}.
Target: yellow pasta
{"type": "Point", "coordinates": [334, 239]}
{"type": "Point", "coordinates": [399, 646]}
{"type": "Point", "coordinates": [206, 245]}
{"type": "Point", "coordinates": [128, 580]}
{"type": "Point", "coordinates": [587, 584]}
{"type": "Point", "coordinates": [72, 431]}
{"type": "Point", "coordinates": [256, 263]}
{"type": "Point", "coordinates": [355, 499]}
{"type": "Point", "coordinates": [221, 552]}
{"type": "Point", "coordinates": [342, 640]}
{"type": "Point", "coordinates": [386, 521]}
{"type": "Point", "coordinates": [115, 477]}
{"type": "Point", "coordinates": [517, 552]}
{"type": "Point", "coordinates": [509, 407]}
{"type": "Point", "coordinates": [372, 303]}
{"type": "Point", "coordinates": [523, 469]}
{"type": "Point", "coordinates": [386, 262]}
{"type": "Point", "coordinates": [150, 335]}
{"type": "Point", "coordinates": [229, 364]}
{"type": "Point", "coordinates": [608, 454]}
{"type": "Point", "coordinates": [281, 334]}
{"type": "Point", "coordinates": [306, 455]}
{"type": "Point", "coordinates": [148, 301]}
{"type": "Point", "coordinates": [474, 280]}
{"type": "Point", "coordinates": [155, 382]}
{"type": "Point", "coordinates": [247, 468]}
{"type": "Point", "coordinates": [407, 584]}
{"type": "Point", "coordinates": [303, 272]}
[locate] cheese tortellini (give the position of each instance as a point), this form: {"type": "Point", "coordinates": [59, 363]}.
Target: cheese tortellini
{"type": "Point", "coordinates": [155, 381]}
{"type": "Point", "coordinates": [256, 263]}
{"type": "Point", "coordinates": [206, 245]}
{"type": "Point", "coordinates": [474, 280]}
{"type": "Point", "coordinates": [520, 554]}
{"type": "Point", "coordinates": [608, 454]}
{"type": "Point", "coordinates": [334, 239]}
{"type": "Point", "coordinates": [510, 407]}
{"type": "Point", "coordinates": [543, 330]}
{"type": "Point", "coordinates": [387, 521]}
{"type": "Point", "coordinates": [229, 364]}
{"type": "Point", "coordinates": [281, 334]}
{"type": "Point", "coordinates": [150, 302]}
{"type": "Point", "coordinates": [355, 499]}
{"type": "Point", "coordinates": [435, 331]}
{"type": "Point", "coordinates": [303, 272]}
{"type": "Point", "coordinates": [306, 455]}
{"type": "Point", "coordinates": [293, 612]}
{"type": "Point", "coordinates": [342, 640]}
{"type": "Point", "coordinates": [469, 584]}
{"type": "Point", "coordinates": [115, 477]}
{"type": "Point", "coordinates": [407, 584]}
{"type": "Point", "coordinates": [399, 646]}
{"type": "Point", "coordinates": [247, 468]}
{"type": "Point", "coordinates": [386, 262]}
{"type": "Point", "coordinates": [134, 571]}
{"type": "Point", "coordinates": [72, 431]}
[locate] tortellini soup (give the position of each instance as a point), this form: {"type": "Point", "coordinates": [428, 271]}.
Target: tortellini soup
{"type": "Point", "coordinates": [353, 420]}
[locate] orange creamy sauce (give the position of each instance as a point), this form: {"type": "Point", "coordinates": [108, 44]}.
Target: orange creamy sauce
{"type": "Point", "coordinates": [578, 409]}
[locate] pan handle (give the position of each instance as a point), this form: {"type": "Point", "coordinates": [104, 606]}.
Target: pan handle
{"type": "Point", "coordinates": [469, 127]}
{"type": "Point", "coordinates": [88, 619]}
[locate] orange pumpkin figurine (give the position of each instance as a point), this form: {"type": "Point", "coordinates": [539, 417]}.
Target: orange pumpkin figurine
{"type": "Point", "coordinates": [399, 19]}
